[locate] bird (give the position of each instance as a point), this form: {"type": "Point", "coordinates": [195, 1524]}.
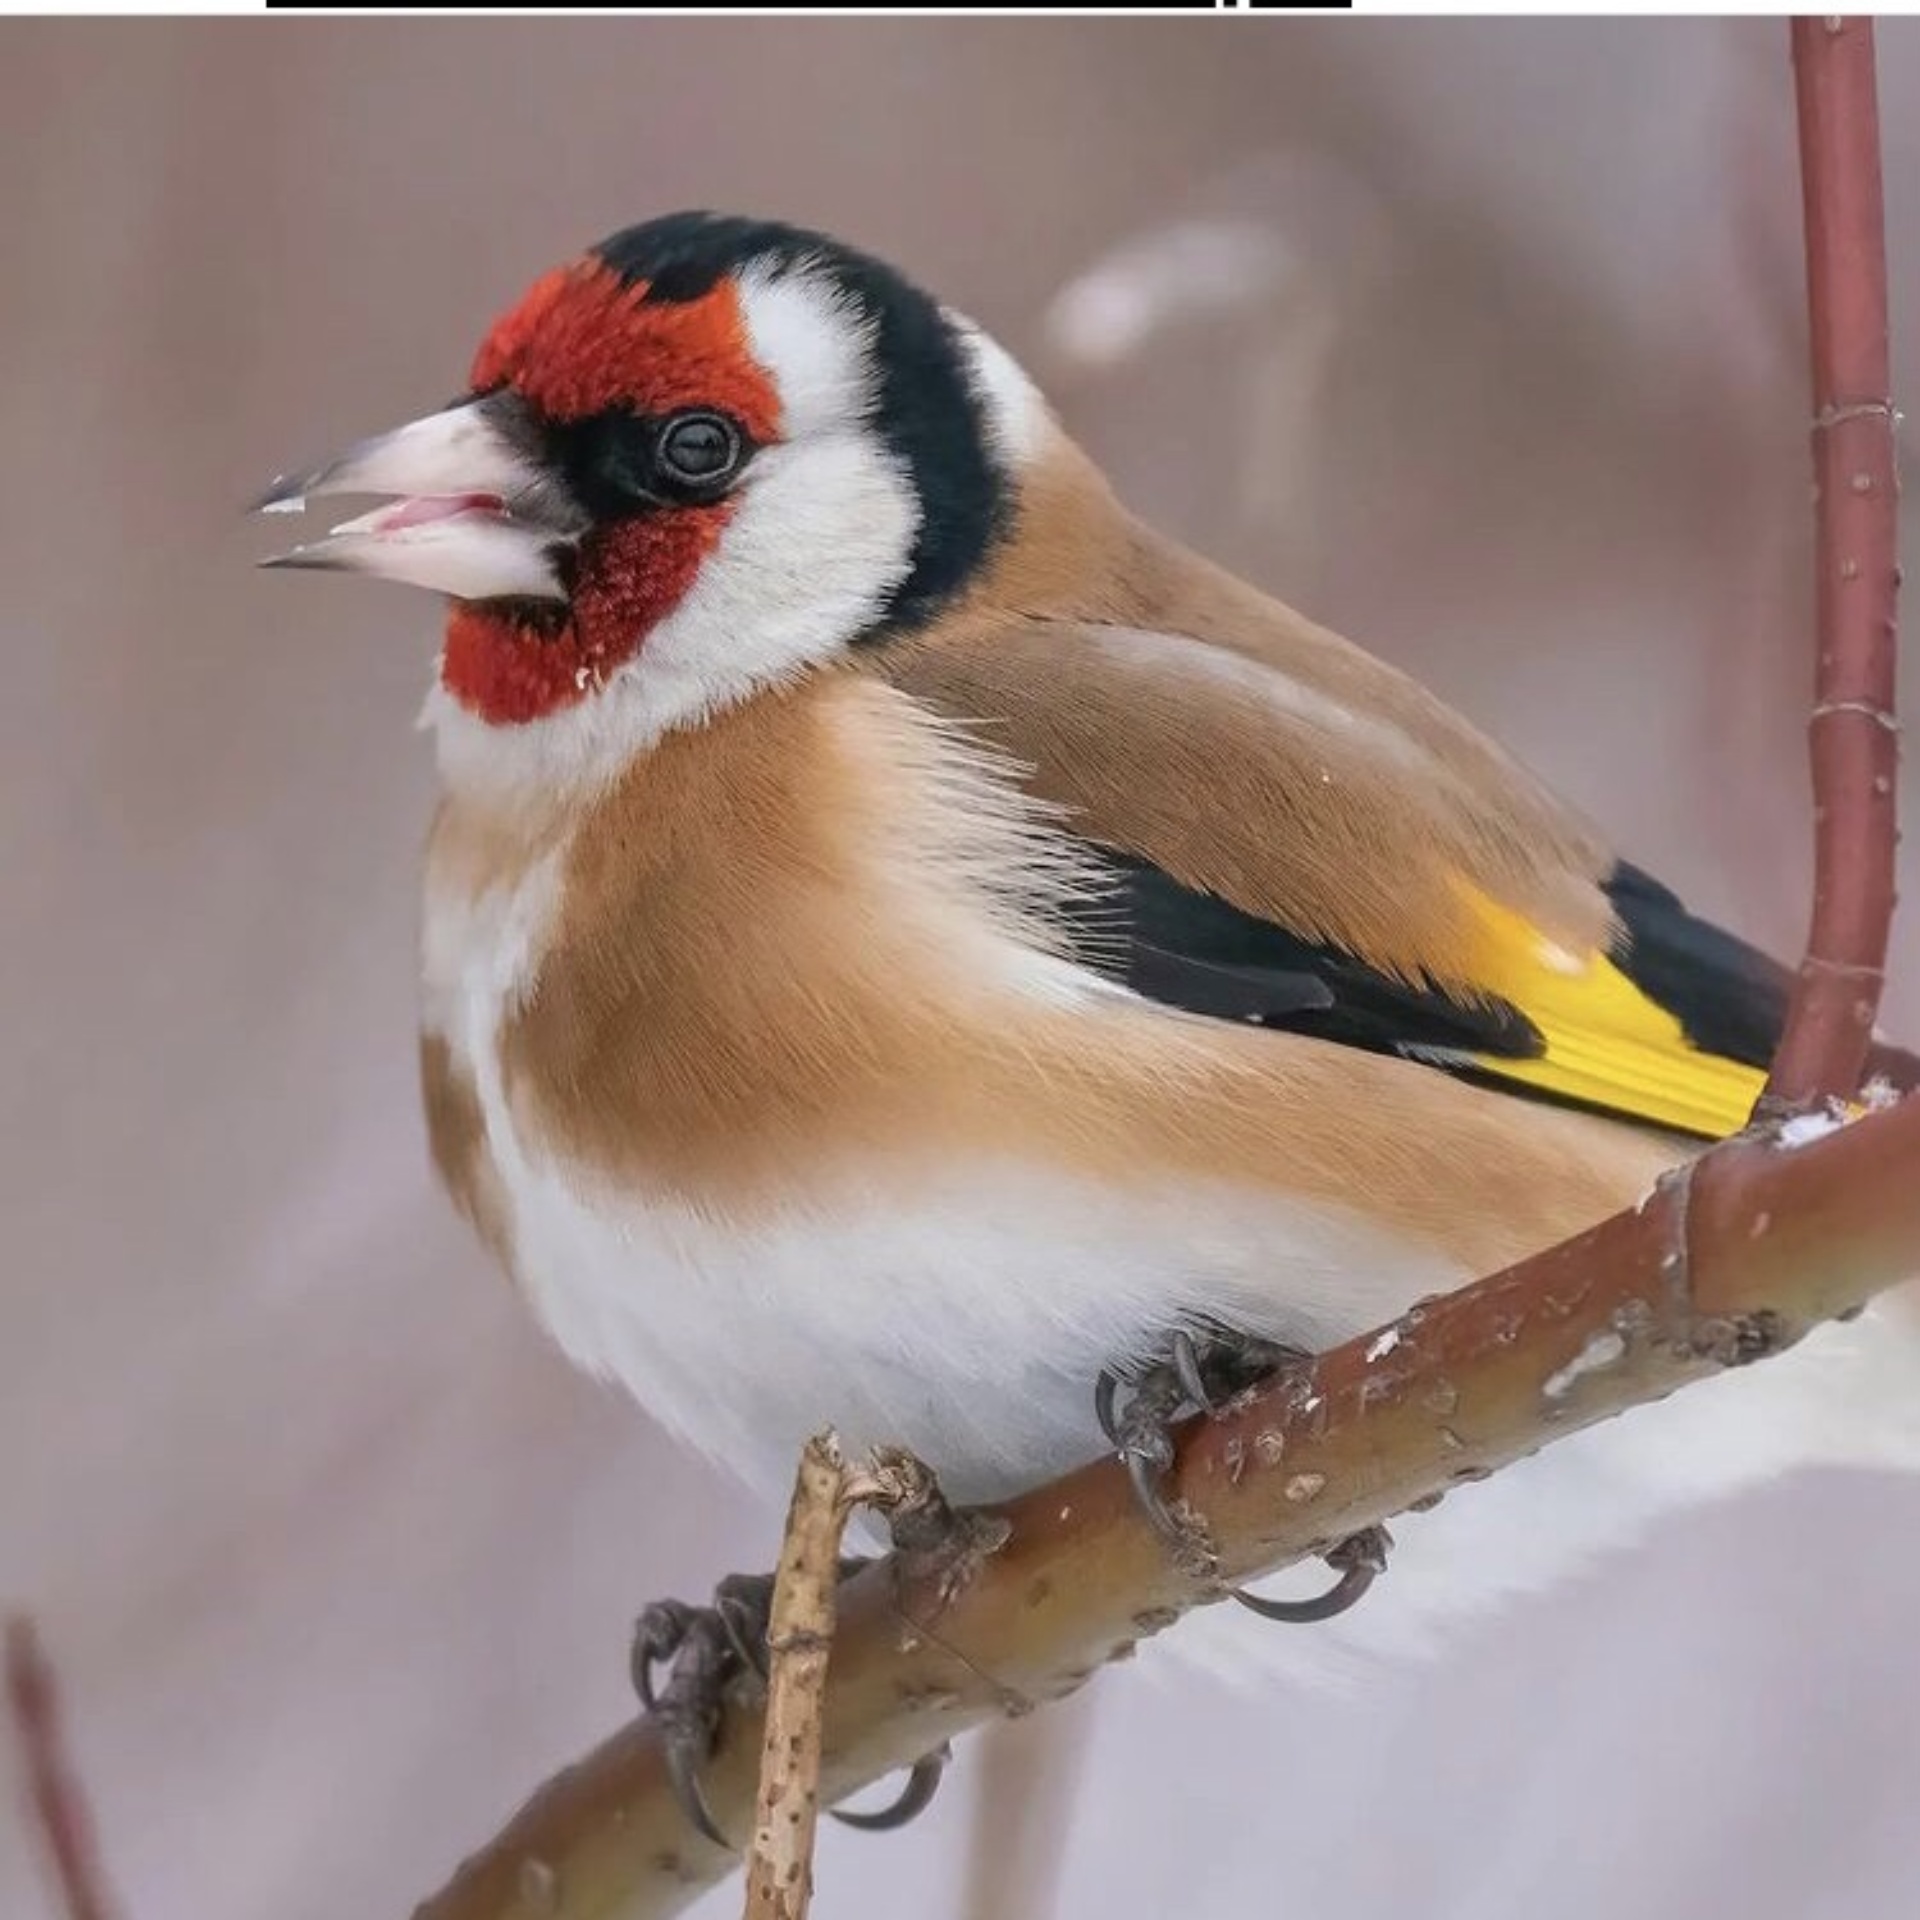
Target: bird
{"type": "Point", "coordinates": [904, 939]}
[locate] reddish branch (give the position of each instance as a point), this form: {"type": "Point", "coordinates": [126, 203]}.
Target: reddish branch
{"type": "Point", "coordinates": [58, 1806]}
{"type": "Point", "coordinates": [1853, 735]}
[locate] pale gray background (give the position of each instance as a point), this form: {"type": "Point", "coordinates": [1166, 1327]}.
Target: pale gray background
{"type": "Point", "coordinates": [1503, 373]}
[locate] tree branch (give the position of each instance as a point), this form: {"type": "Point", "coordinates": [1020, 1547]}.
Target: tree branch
{"type": "Point", "coordinates": [58, 1806]}
{"type": "Point", "coordinates": [1728, 1260]}
{"type": "Point", "coordinates": [1853, 735]}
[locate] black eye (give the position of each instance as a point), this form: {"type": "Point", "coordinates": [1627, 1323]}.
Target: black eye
{"type": "Point", "coordinates": [620, 462]}
{"type": "Point", "coordinates": [699, 450]}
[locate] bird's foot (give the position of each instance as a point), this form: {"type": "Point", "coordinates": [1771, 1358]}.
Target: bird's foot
{"type": "Point", "coordinates": [703, 1651]}
{"type": "Point", "coordinates": [1202, 1374]}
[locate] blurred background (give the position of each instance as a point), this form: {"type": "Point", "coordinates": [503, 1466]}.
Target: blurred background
{"type": "Point", "coordinates": [1483, 341]}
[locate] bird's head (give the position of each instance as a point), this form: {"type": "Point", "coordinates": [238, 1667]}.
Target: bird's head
{"type": "Point", "coordinates": [708, 454]}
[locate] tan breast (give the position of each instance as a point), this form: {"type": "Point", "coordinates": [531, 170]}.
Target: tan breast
{"type": "Point", "coordinates": [788, 952]}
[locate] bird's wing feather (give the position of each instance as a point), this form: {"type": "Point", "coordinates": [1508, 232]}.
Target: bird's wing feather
{"type": "Point", "coordinates": [1278, 858]}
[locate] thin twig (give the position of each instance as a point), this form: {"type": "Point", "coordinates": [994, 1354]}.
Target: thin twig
{"type": "Point", "coordinates": [1853, 735]}
{"type": "Point", "coordinates": [799, 1634]}
{"type": "Point", "coordinates": [799, 1644]}
{"type": "Point", "coordinates": [59, 1807]}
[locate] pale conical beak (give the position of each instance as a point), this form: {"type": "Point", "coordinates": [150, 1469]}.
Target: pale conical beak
{"type": "Point", "coordinates": [471, 510]}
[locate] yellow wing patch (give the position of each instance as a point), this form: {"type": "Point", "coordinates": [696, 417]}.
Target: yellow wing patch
{"type": "Point", "coordinates": [1605, 1042]}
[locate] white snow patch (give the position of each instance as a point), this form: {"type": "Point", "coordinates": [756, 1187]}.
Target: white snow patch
{"type": "Point", "coordinates": [1805, 1128]}
{"type": "Point", "coordinates": [1382, 1344]}
{"type": "Point", "coordinates": [1604, 1350]}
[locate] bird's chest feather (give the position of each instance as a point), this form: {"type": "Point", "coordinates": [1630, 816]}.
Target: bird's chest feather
{"type": "Point", "coordinates": [770, 1176]}
{"type": "Point", "coordinates": [962, 1308]}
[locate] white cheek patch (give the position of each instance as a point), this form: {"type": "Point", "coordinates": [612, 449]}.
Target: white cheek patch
{"type": "Point", "coordinates": [815, 343]}
{"type": "Point", "coordinates": [1018, 419]}
{"type": "Point", "coordinates": [823, 528]}
{"type": "Point", "coordinates": [821, 536]}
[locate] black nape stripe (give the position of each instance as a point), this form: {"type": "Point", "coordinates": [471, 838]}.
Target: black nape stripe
{"type": "Point", "coordinates": [927, 411]}
{"type": "Point", "coordinates": [1729, 997]}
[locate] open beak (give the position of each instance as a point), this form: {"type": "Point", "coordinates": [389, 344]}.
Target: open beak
{"type": "Point", "coordinates": [470, 510]}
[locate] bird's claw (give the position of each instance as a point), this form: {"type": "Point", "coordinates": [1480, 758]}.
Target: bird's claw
{"type": "Point", "coordinates": [923, 1782]}
{"type": "Point", "coordinates": [705, 1649]}
{"type": "Point", "coordinates": [1191, 1372]}
{"type": "Point", "coordinates": [744, 1604]}
{"type": "Point", "coordinates": [1359, 1560]}
{"type": "Point", "coordinates": [1201, 1378]}
{"type": "Point", "coordinates": [698, 1647]}
{"type": "Point", "coordinates": [658, 1635]}
{"type": "Point", "coordinates": [1142, 1436]}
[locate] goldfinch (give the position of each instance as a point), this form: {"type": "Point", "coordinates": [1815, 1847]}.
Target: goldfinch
{"type": "Point", "coordinates": [902, 937]}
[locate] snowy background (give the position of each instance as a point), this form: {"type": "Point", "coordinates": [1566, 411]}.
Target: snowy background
{"type": "Point", "coordinates": [1482, 341]}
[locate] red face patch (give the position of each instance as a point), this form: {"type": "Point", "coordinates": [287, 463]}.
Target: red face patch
{"type": "Point", "coordinates": [631, 577]}
{"type": "Point", "coordinates": [579, 343]}
{"type": "Point", "coordinates": [582, 341]}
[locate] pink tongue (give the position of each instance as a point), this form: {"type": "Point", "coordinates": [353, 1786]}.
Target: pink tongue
{"type": "Point", "coordinates": [426, 507]}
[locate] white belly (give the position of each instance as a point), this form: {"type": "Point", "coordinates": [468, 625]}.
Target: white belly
{"type": "Point", "coordinates": [966, 1320]}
